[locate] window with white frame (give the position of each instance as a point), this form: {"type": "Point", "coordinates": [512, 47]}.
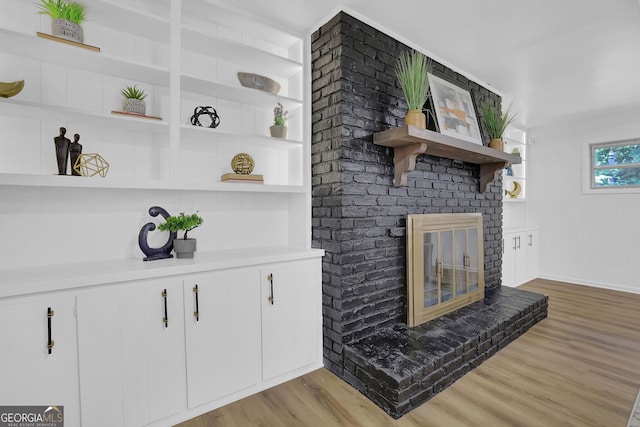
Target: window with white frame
{"type": "Point", "coordinates": [615, 165]}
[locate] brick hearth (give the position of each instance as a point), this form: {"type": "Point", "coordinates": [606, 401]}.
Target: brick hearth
{"type": "Point", "coordinates": [399, 368]}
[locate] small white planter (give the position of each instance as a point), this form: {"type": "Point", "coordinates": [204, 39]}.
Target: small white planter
{"type": "Point", "coordinates": [135, 106]}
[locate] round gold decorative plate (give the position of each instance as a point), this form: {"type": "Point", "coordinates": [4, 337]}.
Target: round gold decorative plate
{"type": "Point", "coordinates": [242, 164]}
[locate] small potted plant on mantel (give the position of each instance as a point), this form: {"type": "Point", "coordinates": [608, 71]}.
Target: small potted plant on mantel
{"type": "Point", "coordinates": [66, 18]}
{"type": "Point", "coordinates": [185, 247]}
{"type": "Point", "coordinates": [134, 100]}
{"type": "Point", "coordinates": [280, 117]}
{"type": "Point", "coordinates": [411, 70]}
{"type": "Point", "coordinates": [495, 123]}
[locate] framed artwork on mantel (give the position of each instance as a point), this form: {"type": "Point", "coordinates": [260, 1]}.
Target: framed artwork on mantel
{"type": "Point", "coordinates": [454, 110]}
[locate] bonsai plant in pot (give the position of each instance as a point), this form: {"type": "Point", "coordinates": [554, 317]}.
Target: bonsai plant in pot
{"type": "Point", "coordinates": [134, 100]}
{"type": "Point", "coordinates": [411, 70]}
{"type": "Point", "coordinates": [280, 117]}
{"type": "Point", "coordinates": [495, 123]}
{"type": "Point", "coordinates": [66, 18]}
{"type": "Point", "coordinates": [184, 247]}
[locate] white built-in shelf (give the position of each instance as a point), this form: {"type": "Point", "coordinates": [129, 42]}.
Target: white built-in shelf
{"type": "Point", "coordinates": [222, 12]}
{"type": "Point", "coordinates": [130, 20]}
{"type": "Point", "coordinates": [33, 47]}
{"type": "Point", "coordinates": [109, 182]}
{"type": "Point", "coordinates": [204, 133]}
{"type": "Point", "coordinates": [237, 93]}
{"type": "Point", "coordinates": [18, 108]}
{"type": "Point", "coordinates": [31, 280]}
{"type": "Point", "coordinates": [252, 60]}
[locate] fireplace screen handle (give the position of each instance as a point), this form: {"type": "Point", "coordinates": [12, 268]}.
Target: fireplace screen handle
{"type": "Point", "coordinates": [270, 279]}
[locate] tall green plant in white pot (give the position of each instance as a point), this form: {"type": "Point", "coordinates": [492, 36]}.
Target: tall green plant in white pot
{"type": "Point", "coordinates": [66, 18]}
{"type": "Point", "coordinates": [495, 123]}
{"type": "Point", "coordinates": [411, 70]}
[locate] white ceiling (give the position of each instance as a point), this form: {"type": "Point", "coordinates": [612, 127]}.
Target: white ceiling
{"type": "Point", "coordinates": [556, 58]}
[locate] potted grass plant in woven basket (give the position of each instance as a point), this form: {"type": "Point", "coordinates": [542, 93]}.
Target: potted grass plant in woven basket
{"type": "Point", "coordinates": [495, 123]}
{"type": "Point", "coordinates": [66, 18]}
{"type": "Point", "coordinates": [411, 70]}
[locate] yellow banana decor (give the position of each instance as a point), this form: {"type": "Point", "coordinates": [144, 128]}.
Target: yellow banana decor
{"type": "Point", "coordinates": [517, 188]}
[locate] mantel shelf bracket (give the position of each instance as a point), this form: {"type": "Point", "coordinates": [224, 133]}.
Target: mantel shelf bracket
{"type": "Point", "coordinates": [404, 161]}
{"type": "Point", "coordinates": [489, 173]}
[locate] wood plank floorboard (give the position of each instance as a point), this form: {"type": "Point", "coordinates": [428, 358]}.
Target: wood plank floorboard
{"type": "Point", "coordinates": [579, 367]}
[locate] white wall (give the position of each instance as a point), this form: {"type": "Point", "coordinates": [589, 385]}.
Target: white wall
{"type": "Point", "coordinates": [584, 238]}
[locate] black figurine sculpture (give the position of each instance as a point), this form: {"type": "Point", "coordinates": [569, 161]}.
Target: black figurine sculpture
{"type": "Point", "coordinates": [163, 252]}
{"type": "Point", "coordinates": [75, 149]}
{"type": "Point", "coordinates": [62, 151]}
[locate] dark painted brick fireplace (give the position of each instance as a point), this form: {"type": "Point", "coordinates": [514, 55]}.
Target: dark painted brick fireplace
{"type": "Point", "coordinates": [359, 218]}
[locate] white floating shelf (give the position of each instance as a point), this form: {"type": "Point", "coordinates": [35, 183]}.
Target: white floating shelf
{"type": "Point", "coordinates": [130, 20]}
{"type": "Point", "coordinates": [24, 45]}
{"type": "Point", "coordinates": [237, 93]}
{"type": "Point", "coordinates": [67, 181]}
{"type": "Point", "coordinates": [203, 133]}
{"type": "Point", "coordinates": [251, 60]}
{"type": "Point", "coordinates": [16, 108]}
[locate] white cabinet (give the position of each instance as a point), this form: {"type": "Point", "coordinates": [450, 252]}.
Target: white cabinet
{"type": "Point", "coordinates": [520, 257]}
{"type": "Point", "coordinates": [222, 327]}
{"type": "Point", "coordinates": [131, 353]}
{"type": "Point", "coordinates": [291, 319]}
{"type": "Point", "coordinates": [38, 353]}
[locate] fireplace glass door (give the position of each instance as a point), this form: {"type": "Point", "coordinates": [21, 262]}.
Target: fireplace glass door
{"type": "Point", "coordinates": [445, 261]}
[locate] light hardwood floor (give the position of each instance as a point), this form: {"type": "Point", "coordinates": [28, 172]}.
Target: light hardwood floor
{"type": "Point", "coordinates": [578, 367]}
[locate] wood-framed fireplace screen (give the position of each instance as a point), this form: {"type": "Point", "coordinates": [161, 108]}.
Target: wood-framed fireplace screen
{"type": "Point", "coordinates": [445, 264]}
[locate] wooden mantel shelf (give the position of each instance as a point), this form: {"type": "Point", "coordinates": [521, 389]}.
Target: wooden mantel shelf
{"type": "Point", "coordinates": [409, 141]}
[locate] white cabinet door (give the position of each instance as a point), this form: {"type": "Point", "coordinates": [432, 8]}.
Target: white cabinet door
{"type": "Point", "coordinates": [30, 374]}
{"type": "Point", "coordinates": [291, 319]}
{"type": "Point", "coordinates": [100, 358]}
{"type": "Point", "coordinates": [521, 258]}
{"type": "Point", "coordinates": [165, 348]}
{"type": "Point", "coordinates": [532, 254]}
{"type": "Point", "coordinates": [130, 359]}
{"type": "Point", "coordinates": [222, 315]}
{"type": "Point", "coordinates": [509, 254]}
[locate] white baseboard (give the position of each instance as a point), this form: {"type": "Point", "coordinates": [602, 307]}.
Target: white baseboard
{"type": "Point", "coordinates": [612, 286]}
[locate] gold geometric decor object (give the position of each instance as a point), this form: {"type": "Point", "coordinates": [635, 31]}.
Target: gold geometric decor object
{"type": "Point", "coordinates": [242, 163]}
{"type": "Point", "coordinates": [91, 164]}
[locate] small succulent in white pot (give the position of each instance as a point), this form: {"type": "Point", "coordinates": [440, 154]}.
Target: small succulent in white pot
{"type": "Point", "coordinates": [134, 100]}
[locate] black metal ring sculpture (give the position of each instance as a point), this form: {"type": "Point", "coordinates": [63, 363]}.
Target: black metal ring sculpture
{"type": "Point", "coordinates": [207, 111]}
